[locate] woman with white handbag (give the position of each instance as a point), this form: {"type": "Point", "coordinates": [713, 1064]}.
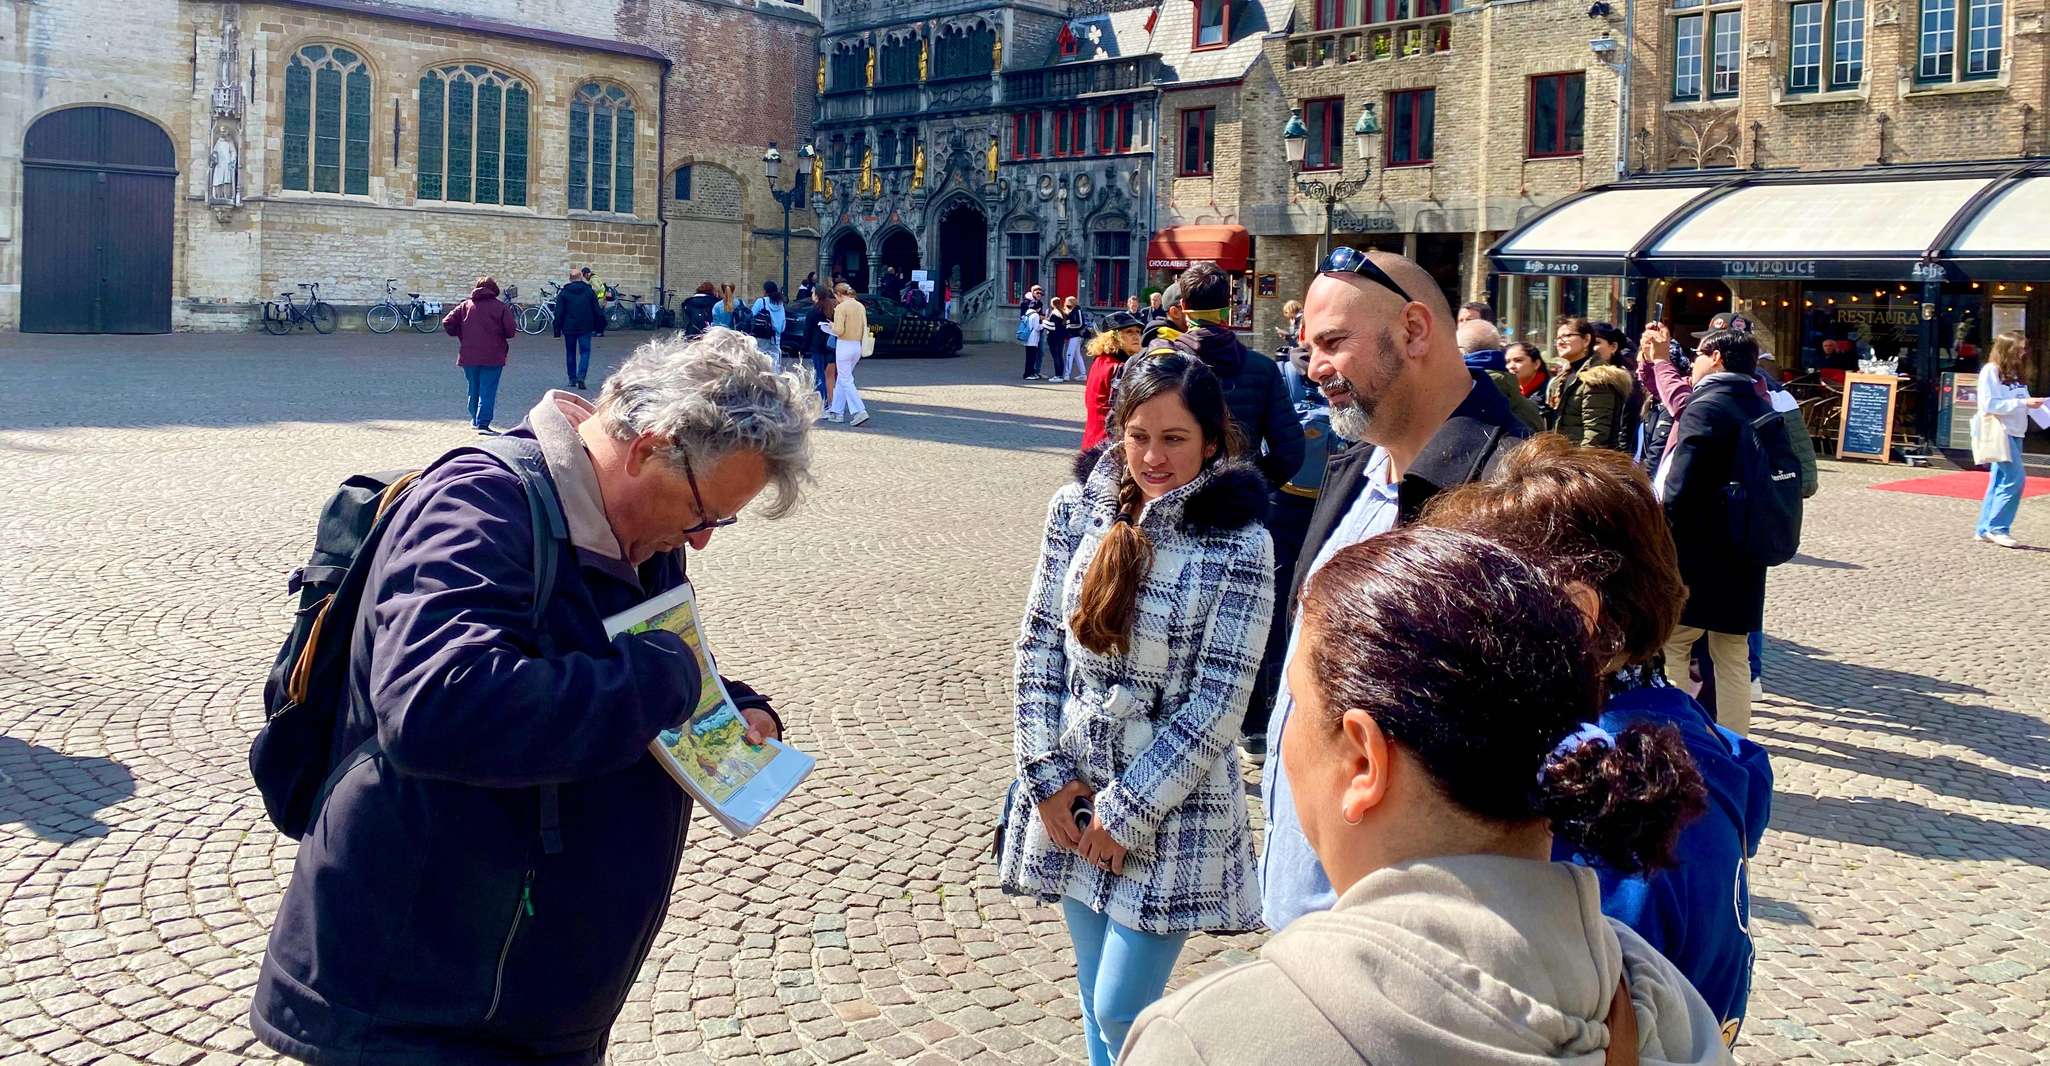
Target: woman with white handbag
{"type": "Point", "coordinates": [850, 327]}
{"type": "Point", "coordinates": [2005, 408]}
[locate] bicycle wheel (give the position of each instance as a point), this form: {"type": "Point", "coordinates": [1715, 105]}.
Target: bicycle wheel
{"type": "Point", "coordinates": [323, 318]}
{"type": "Point", "coordinates": [422, 321]}
{"type": "Point", "coordinates": [617, 318]}
{"type": "Point", "coordinates": [530, 321]}
{"type": "Point", "coordinates": [274, 321]}
{"type": "Point", "coordinates": [383, 318]}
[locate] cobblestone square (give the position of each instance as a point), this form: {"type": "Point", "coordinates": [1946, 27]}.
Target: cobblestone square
{"type": "Point", "coordinates": [157, 490]}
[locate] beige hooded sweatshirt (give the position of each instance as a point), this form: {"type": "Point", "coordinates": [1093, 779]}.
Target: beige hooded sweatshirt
{"type": "Point", "coordinates": [1480, 959]}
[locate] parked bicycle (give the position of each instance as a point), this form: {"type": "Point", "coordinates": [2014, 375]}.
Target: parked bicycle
{"type": "Point", "coordinates": [538, 318]}
{"type": "Point", "coordinates": [388, 314]}
{"type": "Point", "coordinates": [619, 310]}
{"type": "Point", "coordinates": [284, 313]}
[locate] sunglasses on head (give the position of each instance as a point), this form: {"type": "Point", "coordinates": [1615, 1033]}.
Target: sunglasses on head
{"type": "Point", "coordinates": [1346, 260]}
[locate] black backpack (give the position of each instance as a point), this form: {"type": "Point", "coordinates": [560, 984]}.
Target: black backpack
{"type": "Point", "coordinates": [743, 318]}
{"type": "Point", "coordinates": [762, 323]}
{"type": "Point", "coordinates": [1763, 496]}
{"type": "Point", "coordinates": [306, 698]}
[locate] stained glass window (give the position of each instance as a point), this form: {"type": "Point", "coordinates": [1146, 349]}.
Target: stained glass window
{"type": "Point", "coordinates": [327, 122]}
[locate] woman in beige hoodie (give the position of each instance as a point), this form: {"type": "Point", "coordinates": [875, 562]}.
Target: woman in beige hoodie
{"type": "Point", "coordinates": [848, 327]}
{"type": "Point", "coordinates": [1432, 759]}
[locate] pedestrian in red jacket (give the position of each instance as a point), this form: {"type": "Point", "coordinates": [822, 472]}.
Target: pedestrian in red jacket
{"type": "Point", "coordinates": [485, 326]}
{"type": "Point", "coordinates": [1121, 338]}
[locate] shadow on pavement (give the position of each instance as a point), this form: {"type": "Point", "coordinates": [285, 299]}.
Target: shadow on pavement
{"type": "Point", "coordinates": [1938, 773]}
{"type": "Point", "coordinates": [1910, 829]}
{"type": "Point", "coordinates": [965, 425]}
{"type": "Point", "coordinates": [58, 796]}
{"type": "Point", "coordinates": [1905, 703]}
{"type": "Point", "coordinates": [1823, 564]}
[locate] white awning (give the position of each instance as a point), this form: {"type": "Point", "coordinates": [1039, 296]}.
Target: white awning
{"type": "Point", "coordinates": [1606, 223]}
{"type": "Point", "coordinates": [1834, 220]}
{"type": "Point", "coordinates": [2016, 222]}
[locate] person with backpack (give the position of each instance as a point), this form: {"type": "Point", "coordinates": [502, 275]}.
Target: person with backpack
{"type": "Point", "coordinates": [1731, 488]}
{"type": "Point", "coordinates": [697, 309]}
{"type": "Point", "coordinates": [1053, 340]}
{"type": "Point", "coordinates": [578, 318]}
{"type": "Point", "coordinates": [1253, 385]}
{"type": "Point", "coordinates": [481, 877]}
{"type": "Point", "coordinates": [1031, 331]}
{"type": "Point", "coordinates": [766, 320]}
{"type": "Point", "coordinates": [723, 311]}
{"type": "Point", "coordinates": [485, 326]}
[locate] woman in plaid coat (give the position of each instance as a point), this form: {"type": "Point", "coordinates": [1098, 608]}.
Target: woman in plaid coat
{"type": "Point", "coordinates": [1141, 637]}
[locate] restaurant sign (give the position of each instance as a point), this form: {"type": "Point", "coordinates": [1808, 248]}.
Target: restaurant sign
{"type": "Point", "coordinates": [1549, 266]}
{"type": "Point", "coordinates": [1768, 268]}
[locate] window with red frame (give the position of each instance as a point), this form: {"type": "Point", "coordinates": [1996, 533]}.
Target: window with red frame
{"type": "Point", "coordinates": [1558, 114]}
{"type": "Point", "coordinates": [1326, 119]}
{"type": "Point", "coordinates": [1199, 137]}
{"type": "Point", "coordinates": [1213, 23]}
{"type": "Point", "coordinates": [1070, 44]}
{"type": "Point", "coordinates": [1069, 125]}
{"type": "Point", "coordinates": [1412, 116]}
{"type": "Point", "coordinates": [1110, 268]}
{"type": "Point", "coordinates": [1025, 135]}
{"type": "Point", "coordinates": [1021, 263]}
{"type": "Point", "coordinates": [1114, 128]}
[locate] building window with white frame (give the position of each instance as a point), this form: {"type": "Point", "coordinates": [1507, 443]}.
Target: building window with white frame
{"type": "Point", "coordinates": [601, 150]}
{"type": "Point", "coordinates": [473, 136]}
{"type": "Point", "coordinates": [1825, 45]}
{"type": "Point", "coordinates": [1945, 55]}
{"type": "Point", "coordinates": [327, 121]}
{"type": "Point", "coordinates": [1708, 50]}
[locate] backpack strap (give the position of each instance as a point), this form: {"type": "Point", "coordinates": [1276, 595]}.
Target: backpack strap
{"type": "Point", "coordinates": [525, 458]}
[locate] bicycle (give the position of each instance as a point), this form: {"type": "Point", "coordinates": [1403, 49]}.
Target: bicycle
{"type": "Point", "coordinates": [617, 313]}
{"type": "Point", "coordinates": [538, 318]}
{"type": "Point", "coordinates": [385, 316]}
{"type": "Point", "coordinates": [284, 313]}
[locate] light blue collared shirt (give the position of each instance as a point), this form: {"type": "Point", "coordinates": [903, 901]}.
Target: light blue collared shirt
{"type": "Point", "coordinates": [1292, 881]}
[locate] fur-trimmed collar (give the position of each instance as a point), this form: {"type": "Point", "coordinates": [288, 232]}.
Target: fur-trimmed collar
{"type": "Point", "coordinates": [1230, 495]}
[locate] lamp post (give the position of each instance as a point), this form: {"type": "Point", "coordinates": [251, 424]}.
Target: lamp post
{"type": "Point", "coordinates": [1296, 136]}
{"type": "Point", "coordinates": [772, 166]}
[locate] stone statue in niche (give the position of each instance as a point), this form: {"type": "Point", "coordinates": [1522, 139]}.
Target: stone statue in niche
{"type": "Point", "coordinates": [224, 186]}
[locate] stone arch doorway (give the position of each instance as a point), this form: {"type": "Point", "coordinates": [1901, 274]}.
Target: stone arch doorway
{"type": "Point", "coordinates": [900, 250]}
{"type": "Point", "coordinates": [849, 259]}
{"type": "Point", "coordinates": [99, 188]}
{"type": "Point", "coordinates": [964, 247]}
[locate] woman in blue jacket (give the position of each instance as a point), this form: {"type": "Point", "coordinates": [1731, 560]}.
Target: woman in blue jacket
{"type": "Point", "coordinates": [1588, 516]}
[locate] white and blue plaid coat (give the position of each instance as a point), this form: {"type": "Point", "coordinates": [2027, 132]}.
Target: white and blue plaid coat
{"type": "Point", "coordinates": [1154, 730]}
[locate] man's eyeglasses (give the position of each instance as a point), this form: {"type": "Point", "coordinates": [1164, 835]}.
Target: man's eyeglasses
{"type": "Point", "coordinates": [1345, 260]}
{"type": "Point", "coordinates": [698, 501]}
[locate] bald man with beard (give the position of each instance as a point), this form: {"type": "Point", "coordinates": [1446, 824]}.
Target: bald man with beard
{"type": "Point", "coordinates": [1384, 351]}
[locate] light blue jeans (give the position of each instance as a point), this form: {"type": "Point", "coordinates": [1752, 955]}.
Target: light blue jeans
{"type": "Point", "coordinates": [1122, 972]}
{"type": "Point", "coordinates": [483, 393]}
{"type": "Point", "coordinates": [2003, 493]}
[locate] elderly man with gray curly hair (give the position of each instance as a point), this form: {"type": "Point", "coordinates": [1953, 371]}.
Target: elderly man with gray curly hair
{"type": "Point", "coordinates": [482, 884]}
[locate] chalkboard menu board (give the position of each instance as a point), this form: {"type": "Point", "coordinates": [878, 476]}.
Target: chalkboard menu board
{"type": "Point", "coordinates": [1867, 423]}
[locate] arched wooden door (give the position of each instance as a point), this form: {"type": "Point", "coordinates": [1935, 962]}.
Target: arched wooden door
{"type": "Point", "coordinates": [98, 187]}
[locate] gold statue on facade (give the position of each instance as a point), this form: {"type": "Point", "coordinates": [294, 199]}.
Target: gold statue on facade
{"type": "Point", "coordinates": [871, 68]}
{"type": "Point", "coordinates": [818, 176]}
{"type": "Point", "coordinates": [868, 171]}
{"type": "Point", "coordinates": [822, 75]}
{"type": "Point", "coordinates": [996, 52]}
{"type": "Point", "coordinates": [991, 160]}
{"type": "Point", "coordinates": [918, 167]}
{"type": "Point", "coordinates": [921, 58]}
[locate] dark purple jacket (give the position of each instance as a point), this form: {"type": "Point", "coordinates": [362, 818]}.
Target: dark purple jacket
{"type": "Point", "coordinates": [484, 324]}
{"type": "Point", "coordinates": [426, 920]}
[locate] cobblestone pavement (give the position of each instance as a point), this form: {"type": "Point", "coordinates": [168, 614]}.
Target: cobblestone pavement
{"type": "Point", "coordinates": [157, 490]}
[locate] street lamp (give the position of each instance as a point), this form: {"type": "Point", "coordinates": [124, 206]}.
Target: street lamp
{"type": "Point", "coordinates": [1295, 137]}
{"type": "Point", "coordinates": [772, 167]}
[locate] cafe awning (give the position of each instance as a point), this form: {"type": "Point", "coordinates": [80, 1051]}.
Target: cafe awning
{"type": "Point", "coordinates": [1175, 247]}
{"type": "Point", "coordinates": [1879, 223]}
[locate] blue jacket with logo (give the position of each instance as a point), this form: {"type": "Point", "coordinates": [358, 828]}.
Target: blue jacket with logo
{"type": "Point", "coordinates": [1697, 912]}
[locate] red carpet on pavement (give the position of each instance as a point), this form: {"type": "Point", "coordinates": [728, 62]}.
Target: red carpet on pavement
{"type": "Point", "coordinates": [1964, 485]}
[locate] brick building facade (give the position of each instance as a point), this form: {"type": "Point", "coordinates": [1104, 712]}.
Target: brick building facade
{"type": "Point", "coordinates": [343, 142]}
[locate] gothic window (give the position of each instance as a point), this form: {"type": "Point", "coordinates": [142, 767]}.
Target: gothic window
{"type": "Point", "coordinates": [886, 149]}
{"type": "Point", "coordinates": [899, 62]}
{"type": "Point", "coordinates": [965, 51]}
{"type": "Point", "coordinates": [473, 135]}
{"type": "Point", "coordinates": [848, 67]}
{"type": "Point", "coordinates": [327, 121]}
{"type": "Point", "coordinates": [601, 150]}
{"type": "Point", "coordinates": [906, 142]}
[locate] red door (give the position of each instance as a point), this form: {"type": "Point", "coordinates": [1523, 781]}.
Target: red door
{"type": "Point", "coordinates": [1067, 278]}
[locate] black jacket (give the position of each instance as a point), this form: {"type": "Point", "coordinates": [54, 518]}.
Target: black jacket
{"type": "Point", "coordinates": [1257, 396]}
{"type": "Point", "coordinates": [430, 917]}
{"type": "Point", "coordinates": [577, 311]}
{"type": "Point", "coordinates": [697, 312]}
{"type": "Point", "coordinates": [816, 340]}
{"type": "Point", "coordinates": [1725, 588]}
{"type": "Point", "coordinates": [1466, 448]}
